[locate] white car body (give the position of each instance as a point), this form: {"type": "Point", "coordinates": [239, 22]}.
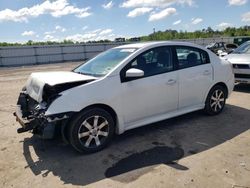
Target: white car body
{"type": "Point", "coordinates": [135, 102]}
{"type": "Point", "coordinates": [142, 101]}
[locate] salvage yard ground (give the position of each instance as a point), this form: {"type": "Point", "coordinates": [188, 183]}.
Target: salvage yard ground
{"type": "Point", "coordinates": [193, 150]}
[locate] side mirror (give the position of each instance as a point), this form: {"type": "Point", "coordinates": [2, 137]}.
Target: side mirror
{"type": "Point", "coordinates": [134, 73]}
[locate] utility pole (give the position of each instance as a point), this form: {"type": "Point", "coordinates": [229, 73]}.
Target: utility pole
{"type": "Point", "coordinates": [154, 34]}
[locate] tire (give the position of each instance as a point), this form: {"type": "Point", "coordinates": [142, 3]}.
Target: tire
{"type": "Point", "coordinates": [216, 100]}
{"type": "Point", "coordinates": [91, 130]}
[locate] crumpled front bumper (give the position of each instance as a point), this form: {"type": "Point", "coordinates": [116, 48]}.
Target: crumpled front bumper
{"type": "Point", "coordinates": [37, 125]}
{"type": "Point", "coordinates": [30, 115]}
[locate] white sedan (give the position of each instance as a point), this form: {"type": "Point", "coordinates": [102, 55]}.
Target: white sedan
{"type": "Point", "coordinates": [123, 88]}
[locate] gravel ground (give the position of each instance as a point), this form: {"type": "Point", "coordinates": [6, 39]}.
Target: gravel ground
{"type": "Point", "coordinates": [193, 150]}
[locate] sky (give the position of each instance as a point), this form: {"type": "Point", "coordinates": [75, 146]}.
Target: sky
{"type": "Point", "coordinates": [84, 20]}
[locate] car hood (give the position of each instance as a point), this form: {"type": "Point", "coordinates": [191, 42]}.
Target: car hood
{"type": "Point", "coordinates": [238, 58]}
{"type": "Point", "coordinates": [37, 81]}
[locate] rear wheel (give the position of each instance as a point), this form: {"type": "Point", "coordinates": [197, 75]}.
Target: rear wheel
{"type": "Point", "coordinates": [91, 130]}
{"type": "Point", "coordinates": [216, 100]}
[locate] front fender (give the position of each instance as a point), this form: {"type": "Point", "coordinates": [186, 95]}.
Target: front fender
{"type": "Point", "coordinates": [98, 92]}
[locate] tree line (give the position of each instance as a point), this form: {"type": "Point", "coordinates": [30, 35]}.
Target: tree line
{"type": "Point", "coordinates": [168, 34]}
{"type": "Point", "coordinates": [204, 33]}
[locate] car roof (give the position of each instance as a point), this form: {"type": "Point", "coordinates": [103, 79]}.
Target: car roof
{"type": "Point", "coordinates": [156, 43]}
{"type": "Point", "coordinates": [138, 45]}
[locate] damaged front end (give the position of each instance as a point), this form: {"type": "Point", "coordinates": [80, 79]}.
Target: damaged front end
{"type": "Point", "coordinates": [31, 114]}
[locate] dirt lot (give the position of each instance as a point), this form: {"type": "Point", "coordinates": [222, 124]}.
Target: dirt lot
{"type": "Point", "coordinates": [193, 150]}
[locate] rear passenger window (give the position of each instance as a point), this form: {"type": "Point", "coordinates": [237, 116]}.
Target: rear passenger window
{"type": "Point", "coordinates": [189, 57]}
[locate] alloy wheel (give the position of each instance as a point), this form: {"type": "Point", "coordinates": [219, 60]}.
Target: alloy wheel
{"type": "Point", "coordinates": [93, 131]}
{"type": "Point", "coordinates": [217, 100]}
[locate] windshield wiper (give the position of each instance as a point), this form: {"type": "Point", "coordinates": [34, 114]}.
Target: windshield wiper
{"type": "Point", "coordinates": [84, 73]}
{"type": "Point", "coordinates": [236, 52]}
{"type": "Point", "coordinates": [90, 74]}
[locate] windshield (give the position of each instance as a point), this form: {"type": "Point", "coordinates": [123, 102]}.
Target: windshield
{"type": "Point", "coordinates": [210, 45]}
{"type": "Point", "coordinates": [104, 62]}
{"type": "Point", "coordinates": [244, 48]}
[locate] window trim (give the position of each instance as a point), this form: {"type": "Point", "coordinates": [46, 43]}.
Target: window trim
{"type": "Point", "coordinates": [126, 67]}
{"type": "Point", "coordinates": [197, 49]}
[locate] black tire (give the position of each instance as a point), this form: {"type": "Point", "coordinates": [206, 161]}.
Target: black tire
{"type": "Point", "coordinates": [91, 130]}
{"type": "Point", "coordinates": [216, 100]}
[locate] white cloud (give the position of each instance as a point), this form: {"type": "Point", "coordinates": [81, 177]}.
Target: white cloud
{"type": "Point", "coordinates": [96, 35]}
{"type": "Point", "coordinates": [196, 20]}
{"type": "Point", "coordinates": [60, 28]}
{"type": "Point", "coordinates": [81, 13]}
{"type": "Point", "coordinates": [105, 32]}
{"type": "Point", "coordinates": [49, 38]}
{"type": "Point", "coordinates": [246, 17]}
{"type": "Point", "coordinates": [177, 22]}
{"type": "Point", "coordinates": [111, 35]}
{"type": "Point", "coordinates": [84, 28]}
{"type": "Point", "coordinates": [139, 11]}
{"type": "Point", "coordinates": [154, 3]}
{"type": "Point", "coordinates": [108, 5]}
{"type": "Point", "coordinates": [237, 2]}
{"type": "Point", "coordinates": [224, 25]}
{"type": "Point", "coordinates": [95, 31]}
{"type": "Point", "coordinates": [82, 37]}
{"type": "Point", "coordinates": [49, 32]}
{"type": "Point", "coordinates": [162, 14]}
{"type": "Point", "coordinates": [28, 33]}
{"type": "Point", "coordinates": [56, 8]}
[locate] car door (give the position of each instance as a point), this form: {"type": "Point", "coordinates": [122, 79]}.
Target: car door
{"type": "Point", "coordinates": [195, 76]}
{"type": "Point", "coordinates": [153, 94]}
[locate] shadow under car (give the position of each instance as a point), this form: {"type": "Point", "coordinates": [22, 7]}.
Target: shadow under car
{"type": "Point", "coordinates": [137, 151]}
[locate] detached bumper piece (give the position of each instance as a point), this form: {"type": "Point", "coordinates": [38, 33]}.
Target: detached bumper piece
{"type": "Point", "coordinates": [26, 124]}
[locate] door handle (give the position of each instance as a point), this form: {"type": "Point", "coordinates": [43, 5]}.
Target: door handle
{"type": "Point", "coordinates": [207, 72]}
{"type": "Point", "coordinates": [171, 82]}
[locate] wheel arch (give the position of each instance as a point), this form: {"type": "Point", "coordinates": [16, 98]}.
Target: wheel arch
{"type": "Point", "coordinates": [222, 84]}
{"type": "Point", "coordinates": [105, 107]}
{"type": "Point", "coordinates": [110, 110]}
{"type": "Point", "coordinates": [217, 84]}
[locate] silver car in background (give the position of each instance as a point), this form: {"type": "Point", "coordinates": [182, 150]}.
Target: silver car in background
{"type": "Point", "coordinates": [240, 59]}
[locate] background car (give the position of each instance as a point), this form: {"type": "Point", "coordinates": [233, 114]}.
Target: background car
{"type": "Point", "coordinates": [124, 88]}
{"type": "Point", "coordinates": [240, 59]}
{"type": "Point", "coordinates": [221, 48]}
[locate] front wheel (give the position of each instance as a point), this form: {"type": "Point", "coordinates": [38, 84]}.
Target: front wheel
{"type": "Point", "coordinates": [216, 100]}
{"type": "Point", "coordinates": [91, 130]}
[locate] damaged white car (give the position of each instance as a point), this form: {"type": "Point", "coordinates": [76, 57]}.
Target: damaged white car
{"type": "Point", "coordinates": [121, 89]}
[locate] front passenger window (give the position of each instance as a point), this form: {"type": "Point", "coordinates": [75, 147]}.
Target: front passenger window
{"type": "Point", "coordinates": [156, 61]}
